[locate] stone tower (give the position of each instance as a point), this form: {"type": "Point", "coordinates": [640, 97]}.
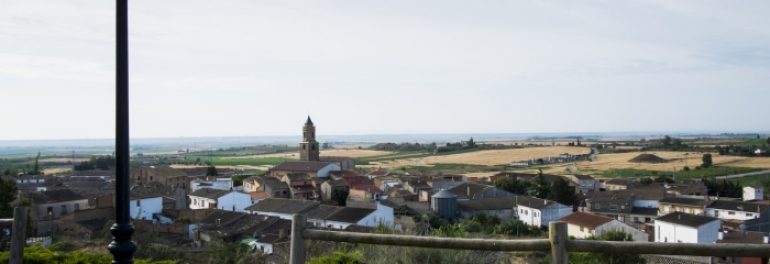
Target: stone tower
{"type": "Point", "coordinates": [308, 148]}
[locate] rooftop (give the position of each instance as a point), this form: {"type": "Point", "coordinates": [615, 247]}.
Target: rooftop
{"type": "Point", "coordinates": [586, 220]}
{"type": "Point", "coordinates": [301, 166]}
{"type": "Point", "coordinates": [686, 219]}
{"type": "Point", "coordinates": [283, 206]}
{"type": "Point", "coordinates": [209, 193]}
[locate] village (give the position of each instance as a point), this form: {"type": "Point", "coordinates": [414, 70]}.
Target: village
{"type": "Point", "coordinates": [194, 208]}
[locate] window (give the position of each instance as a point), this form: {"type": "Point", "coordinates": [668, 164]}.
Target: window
{"type": "Point", "coordinates": [749, 214]}
{"type": "Point", "coordinates": [731, 212]}
{"type": "Point", "coordinates": [77, 207]}
{"type": "Point", "coordinates": [63, 209]}
{"type": "Point", "coordinates": [138, 202]}
{"type": "Point", "coordinates": [581, 229]}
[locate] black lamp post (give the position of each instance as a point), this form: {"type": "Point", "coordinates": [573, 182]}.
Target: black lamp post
{"type": "Point", "coordinates": [121, 247]}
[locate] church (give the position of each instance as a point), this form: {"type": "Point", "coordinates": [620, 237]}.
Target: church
{"type": "Point", "coordinates": [310, 160]}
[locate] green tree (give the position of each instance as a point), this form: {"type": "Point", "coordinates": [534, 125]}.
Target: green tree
{"type": "Point", "coordinates": [36, 167]}
{"type": "Point", "coordinates": [516, 228]}
{"type": "Point", "coordinates": [211, 171]}
{"type": "Point", "coordinates": [562, 193]}
{"type": "Point", "coordinates": [707, 161]}
{"type": "Point", "coordinates": [7, 196]}
{"type": "Point", "coordinates": [542, 188]}
{"type": "Point", "coordinates": [513, 185]}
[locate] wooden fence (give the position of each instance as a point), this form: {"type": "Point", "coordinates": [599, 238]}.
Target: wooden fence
{"type": "Point", "coordinates": [557, 243]}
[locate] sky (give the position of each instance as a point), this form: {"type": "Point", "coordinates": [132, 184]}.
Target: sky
{"type": "Point", "coordinates": [258, 68]}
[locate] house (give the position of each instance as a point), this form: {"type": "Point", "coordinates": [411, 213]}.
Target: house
{"type": "Point", "coordinates": [539, 212]}
{"type": "Point", "coordinates": [234, 226]}
{"type": "Point", "coordinates": [219, 199]}
{"type": "Point", "coordinates": [282, 208]}
{"type": "Point", "coordinates": [584, 225]}
{"type": "Point", "coordinates": [502, 207]}
{"type": "Point", "coordinates": [325, 216]}
{"type": "Point", "coordinates": [301, 186]}
{"type": "Point", "coordinates": [741, 237]}
{"type": "Point", "coordinates": [734, 210]}
{"type": "Point", "coordinates": [146, 201]}
{"type": "Point", "coordinates": [52, 204]}
{"type": "Point", "coordinates": [751, 193]}
{"type": "Point", "coordinates": [471, 191]}
{"type": "Point", "coordinates": [679, 227]}
{"type": "Point", "coordinates": [332, 186]}
{"type": "Point", "coordinates": [217, 183]}
{"type": "Point", "coordinates": [345, 163]}
{"type": "Point", "coordinates": [274, 187]}
{"type": "Point", "coordinates": [584, 183]}
{"type": "Point", "coordinates": [362, 188]}
{"type": "Point", "coordinates": [312, 168]}
{"type": "Point", "coordinates": [619, 184]}
{"type": "Point", "coordinates": [690, 205]}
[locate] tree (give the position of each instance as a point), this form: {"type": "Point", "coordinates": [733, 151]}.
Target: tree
{"type": "Point", "coordinates": [562, 193]}
{"type": "Point", "coordinates": [513, 185]}
{"type": "Point", "coordinates": [646, 181]}
{"type": "Point", "coordinates": [211, 171]}
{"type": "Point", "coordinates": [7, 196]}
{"type": "Point", "coordinates": [36, 167]}
{"type": "Point", "coordinates": [768, 140]}
{"type": "Point", "coordinates": [707, 161]}
{"type": "Point", "coordinates": [667, 140]}
{"type": "Point", "coordinates": [542, 188]}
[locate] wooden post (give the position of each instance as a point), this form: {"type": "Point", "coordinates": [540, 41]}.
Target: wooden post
{"type": "Point", "coordinates": [557, 233]}
{"type": "Point", "coordinates": [19, 235]}
{"type": "Point", "coordinates": [297, 256]}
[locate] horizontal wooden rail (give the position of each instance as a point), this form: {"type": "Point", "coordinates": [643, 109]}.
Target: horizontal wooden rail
{"type": "Point", "coordinates": [429, 242]}
{"type": "Point", "coordinates": [557, 244]}
{"type": "Point", "coordinates": [658, 248]}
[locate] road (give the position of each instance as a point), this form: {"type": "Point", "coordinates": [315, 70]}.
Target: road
{"type": "Point", "coordinates": [727, 177]}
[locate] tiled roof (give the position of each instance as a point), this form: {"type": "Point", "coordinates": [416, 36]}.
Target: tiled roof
{"type": "Point", "coordinates": [488, 204]}
{"type": "Point", "coordinates": [283, 206]}
{"type": "Point", "coordinates": [301, 166]}
{"type": "Point", "coordinates": [644, 211]}
{"type": "Point", "coordinates": [586, 220]}
{"type": "Point", "coordinates": [55, 196]}
{"type": "Point", "coordinates": [686, 219]}
{"type": "Point", "coordinates": [736, 206]}
{"type": "Point", "coordinates": [684, 201]}
{"type": "Point", "coordinates": [743, 237]}
{"type": "Point", "coordinates": [209, 193]}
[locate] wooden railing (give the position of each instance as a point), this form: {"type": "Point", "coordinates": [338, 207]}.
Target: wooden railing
{"type": "Point", "coordinates": [557, 243]}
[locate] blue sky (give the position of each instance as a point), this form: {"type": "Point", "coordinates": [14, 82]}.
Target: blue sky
{"type": "Point", "coordinates": [254, 68]}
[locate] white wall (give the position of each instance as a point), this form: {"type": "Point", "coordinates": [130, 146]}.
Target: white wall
{"type": "Point", "coordinates": [576, 232]}
{"type": "Point", "coordinates": [146, 207]}
{"type": "Point", "coordinates": [219, 183]}
{"type": "Point", "coordinates": [267, 248]}
{"type": "Point", "coordinates": [279, 215]}
{"type": "Point", "coordinates": [58, 209]}
{"type": "Point", "coordinates": [751, 193]}
{"type": "Point", "coordinates": [234, 201]}
{"type": "Point", "coordinates": [736, 215]}
{"type": "Point", "coordinates": [200, 202]}
{"type": "Point", "coordinates": [553, 213]}
{"type": "Point", "coordinates": [674, 233]}
{"type": "Point", "coordinates": [324, 172]}
{"type": "Point", "coordinates": [528, 215]}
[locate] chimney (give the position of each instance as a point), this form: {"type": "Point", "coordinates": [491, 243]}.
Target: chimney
{"type": "Point", "coordinates": [766, 240]}
{"type": "Point", "coordinates": [721, 235]}
{"type": "Point", "coordinates": [219, 221]}
{"type": "Point", "coordinates": [281, 233]}
{"type": "Point", "coordinates": [468, 192]}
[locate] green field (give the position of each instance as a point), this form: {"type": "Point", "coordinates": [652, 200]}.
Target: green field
{"type": "Point", "coordinates": [232, 161]}
{"type": "Point", "coordinates": [450, 168]}
{"type": "Point", "coordinates": [762, 180]}
{"type": "Point", "coordinates": [691, 174]}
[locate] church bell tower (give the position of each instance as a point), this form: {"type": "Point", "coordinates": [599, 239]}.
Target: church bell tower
{"type": "Point", "coordinates": [308, 148]}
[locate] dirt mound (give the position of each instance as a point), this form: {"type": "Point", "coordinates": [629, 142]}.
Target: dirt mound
{"type": "Point", "coordinates": [648, 158]}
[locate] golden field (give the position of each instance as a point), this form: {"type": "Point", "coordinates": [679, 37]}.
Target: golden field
{"type": "Point", "coordinates": [676, 160]}
{"type": "Point", "coordinates": [344, 152]}
{"type": "Point", "coordinates": [486, 157]}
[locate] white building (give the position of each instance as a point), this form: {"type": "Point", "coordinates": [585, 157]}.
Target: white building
{"type": "Point", "coordinates": [219, 199]}
{"type": "Point", "coordinates": [218, 183]}
{"type": "Point", "coordinates": [539, 212]}
{"type": "Point", "coordinates": [751, 193]}
{"type": "Point", "coordinates": [734, 210]}
{"type": "Point", "coordinates": [52, 204]}
{"type": "Point", "coordinates": [585, 225]}
{"type": "Point", "coordinates": [146, 208]}
{"type": "Point", "coordinates": [335, 217]}
{"type": "Point", "coordinates": [681, 227]}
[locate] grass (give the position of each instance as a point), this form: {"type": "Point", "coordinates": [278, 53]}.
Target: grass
{"type": "Point", "coordinates": [694, 173]}
{"type": "Point", "coordinates": [754, 180]}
